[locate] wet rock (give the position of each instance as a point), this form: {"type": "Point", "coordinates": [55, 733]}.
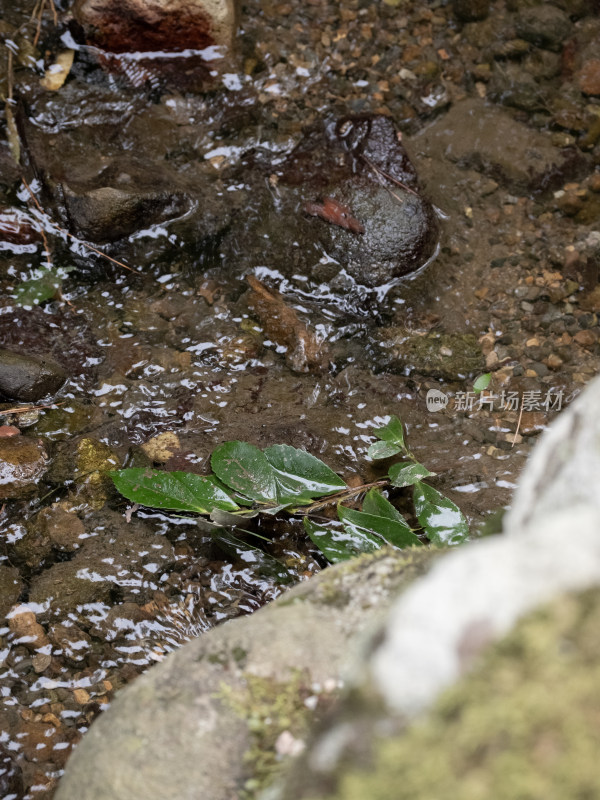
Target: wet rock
{"type": "Point", "coordinates": [72, 643]}
{"type": "Point", "coordinates": [42, 741]}
{"type": "Point", "coordinates": [17, 227]}
{"type": "Point", "coordinates": [351, 201]}
{"type": "Point", "coordinates": [121, 556]}
{"type": "Point", "coordinates": [525, 692]}
{"type": "Point", "coordinates": [62, 527]}
{"type": "Point", "coordinates": [53, 529]}
{"type": "Point", "coordinates": [512, 86]}
{"type": "Point", "coordinates": [23, 462]}
{"type": "Point", "coordinates": [544, 26]}
{"type": "Point", "coordinates": [11, 587]}
{"type": "Point", "coordinates": [27, 377]}
{"type": "Point", "coordinates": [449, 356]}
{"type": "Point", "coordinates": [489, 140]}
{"type": "Point", "coordinates": [157, 25]}
{"type": "Point", "coordinates": [234, 691]}
{"type": "Point", "coordinates": [11, 779]}
{"type": "Point", "coordinates": [122, 199]}
{"type": "Point", "coordinates": [470, 10]}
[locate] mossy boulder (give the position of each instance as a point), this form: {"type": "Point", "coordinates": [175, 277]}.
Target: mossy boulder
{"type": "Point", "coordinates": [523, 724]}
{"type": "Point", "coordinates": [218, 717]}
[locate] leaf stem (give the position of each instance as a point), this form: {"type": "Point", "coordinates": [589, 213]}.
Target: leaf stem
{"type": "Point", "coordinates": [339, 496]}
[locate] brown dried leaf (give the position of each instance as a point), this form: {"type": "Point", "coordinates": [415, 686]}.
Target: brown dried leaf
{"type": "Point", "coordinates": [281, 324]}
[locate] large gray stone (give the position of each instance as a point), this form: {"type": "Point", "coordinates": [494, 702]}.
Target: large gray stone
{"type": "Point", "coordinates": [186, 728]}
{"type": "Point", "coordinates": [496, 707]}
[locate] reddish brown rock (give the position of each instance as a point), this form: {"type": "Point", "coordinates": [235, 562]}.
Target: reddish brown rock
{"type": "Point", "coordinates": [589, 77]}
{"type": "Point", "coordinates": [16, 227]}
{"type": "Point", "coordinates": [585, 338]}
{"type": "Point", "coordinates": [122, 26]}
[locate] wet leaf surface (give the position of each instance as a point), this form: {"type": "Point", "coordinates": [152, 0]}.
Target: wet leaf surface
{"type": "Point", "coordinates": [407, 474]}
{"type": "Point", "coordinates": [442, 520]}
{"type": "Point", "coordinates": [392, 531]}
{"type": "Point", "coordinates": [375, 503]}
{"type": "Point", "coordinates": [383, 449]}
{"type": "Point", "coordinates": [245, 468]}
{"type": "Point", "coordinates": [339, 545]}
{"type": "Point", "coordinates": [392, 432]}
{"type": "Point", "coordinates": [178, 491]}
{"type": "Point", "coordinates": [301, 475]}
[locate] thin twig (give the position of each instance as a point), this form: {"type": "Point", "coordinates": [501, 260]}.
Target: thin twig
{"type": "Point", "coordinates": [385, 174]}
{"type": "Point", "coordinates": [341, 495]}
{"type": "Point", "coordinates": [518, 426]}
{"type": "Point", "coordinates": [28, 408]}
{"type": "Point", "coordinates": [38, 28]}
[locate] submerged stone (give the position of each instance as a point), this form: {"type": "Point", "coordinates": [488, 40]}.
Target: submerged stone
{"type": "Point", "coordinates": [28, 377]}
{"type": "Point", "coordinates": [23, 461]}
{"type": "Point", "coordinates": [351, 202]}
{"type": "Point", "coordinates": [449, 356]}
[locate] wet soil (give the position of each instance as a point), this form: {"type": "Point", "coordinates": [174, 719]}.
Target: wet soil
{"type": "Point", "coordinates": [498, 121]}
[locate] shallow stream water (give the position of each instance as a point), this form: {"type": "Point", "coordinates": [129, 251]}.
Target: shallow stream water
{"type": "Point", "coordinates": [181, 350]}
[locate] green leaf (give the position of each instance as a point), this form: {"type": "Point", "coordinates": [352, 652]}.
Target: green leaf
{"type": "Point", "coordinates": [482, 382]}
{"type": "Point", "coordinates": [406, 474]}
{"type": "Point", "coordinates": [393, 431]}
{"type": "Point", "coordinates": [442, 521]}
{"type": "Point", "coordinates": [393, 531]}
{"type": "Point", "coordinates": [235, 496]}
{"type": "Point", "coordinates": [383, 449]}
{"type": "Point", "coordinates": [375, 503]}
{"type": "Point", "coordinates": [338, 545]}
{"type": "Point", "coordinates": [255, 558]}
{"type": "Point", "coordinates": [178, 491]}
{"type": "Point", "coordinates": [245, 468]}
{"type": "Point", "coordinates": [301, 476]}
{"type": "Point", "coordinates": [37, 290]}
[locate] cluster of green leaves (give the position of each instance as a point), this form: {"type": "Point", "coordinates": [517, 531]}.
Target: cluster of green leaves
{"type": "Point", "coordinates": [246, 482]}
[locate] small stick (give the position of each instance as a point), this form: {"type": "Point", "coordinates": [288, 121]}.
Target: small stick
{"type": "Point", "coordinates": [518, 426]}
{"type": "Point", "coordinates": [391, 178]}
{"type": "Point", "coordinates": [346, 493]}
{"type": "Point", "coordinates": [28, 408]}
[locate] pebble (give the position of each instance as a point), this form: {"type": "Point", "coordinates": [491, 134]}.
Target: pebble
{"type": "Point", "coordinates": [23, 462]}
{"type": "Point", "coordinates": [585, 338]}
{"type": "Point", "coordinates": [588, 78]}
{"type": "Point", "coordinates": [23, 624]}
{"type": "Point", "coordinates": [554, 361]}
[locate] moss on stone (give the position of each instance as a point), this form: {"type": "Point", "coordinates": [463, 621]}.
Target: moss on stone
{"type": "Point", "coordinates": [524, 726]}
{"type": "Point", "coordinates": [269, 709]}
{"type": "Point", "coordinates": [449, 356]}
